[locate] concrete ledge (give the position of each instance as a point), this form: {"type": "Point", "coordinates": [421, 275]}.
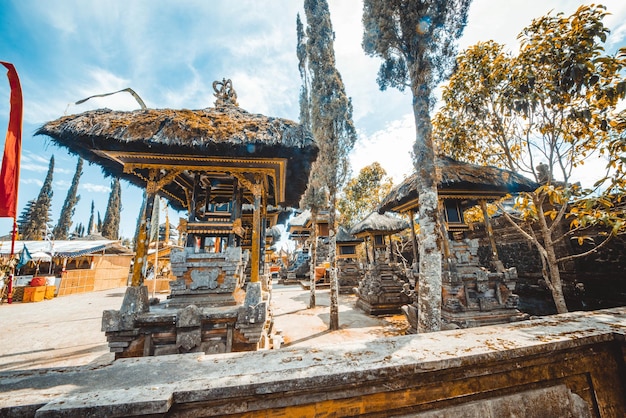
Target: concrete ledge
{"type": "Point", "coordinates": [576, 359]}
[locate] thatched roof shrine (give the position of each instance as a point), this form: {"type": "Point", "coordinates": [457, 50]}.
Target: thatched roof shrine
{"type": "Point", "coordinates": [459, 180]}
{"type": "Point", "coordinates": [343, 236]}
{"type": "Point", "coordinates": [376, 223]}
{"type": "Point", "coordinates": [221, 140]}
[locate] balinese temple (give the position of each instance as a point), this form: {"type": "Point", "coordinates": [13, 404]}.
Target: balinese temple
{"type": "Point", "coordinates": [298, 230]}
{"type": "Point", "coordinates": [473, 295]}
{"type": "Point", "coordinates": [300, 233]}
{"type": "Point", "coordinates": [349, 272]}
{"type": "Point", "coordinates": [380, 292]}
{"type": "Point", "coordinates": [301, 229]}
{"type": "Point", "coordinates": [209, 163]}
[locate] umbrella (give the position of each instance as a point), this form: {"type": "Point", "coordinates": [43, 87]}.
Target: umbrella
{"type": "Point", "coordinates": [41, 256]}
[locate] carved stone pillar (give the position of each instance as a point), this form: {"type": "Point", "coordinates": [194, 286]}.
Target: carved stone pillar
{"type": "Point", "coordinates": [489, 229]}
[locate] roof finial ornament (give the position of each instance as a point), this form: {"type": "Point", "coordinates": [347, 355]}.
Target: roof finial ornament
{"type": "Point", "coordinates": [225, 93]}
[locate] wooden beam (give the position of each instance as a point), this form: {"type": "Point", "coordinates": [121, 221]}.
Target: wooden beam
{"type": "Point", "coordinates": [257, 191]}
{"type": "Point", "coordinates": [489, 229]}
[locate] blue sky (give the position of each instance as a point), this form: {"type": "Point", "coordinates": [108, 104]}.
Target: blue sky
{"type": "Point", "coordinates": [170, 52]}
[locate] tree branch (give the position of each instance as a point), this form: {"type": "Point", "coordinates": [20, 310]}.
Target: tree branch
{"type": "Point", "coordinates": [586, 253]}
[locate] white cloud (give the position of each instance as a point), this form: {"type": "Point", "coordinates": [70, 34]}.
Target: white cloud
{"type": "Point", "coordinates": [33, 162]}
{"type": "Point", "coordinates": [94, 188]}
{"type": "Point", "coordinates": [26, 181]}
{"type": "Point", "coordinates": [391, 147]}
{"type": "Point", "coordinates": [61, 184]}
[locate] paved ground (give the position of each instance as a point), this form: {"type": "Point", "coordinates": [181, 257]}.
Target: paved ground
{"type": "Point", "coordinates": [65, 331]}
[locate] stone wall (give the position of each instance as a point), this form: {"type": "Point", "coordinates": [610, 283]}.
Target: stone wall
{"type": "Point", "coordinates": [565, 365]}
{"type": "Point", "coordinates": [592, 282]}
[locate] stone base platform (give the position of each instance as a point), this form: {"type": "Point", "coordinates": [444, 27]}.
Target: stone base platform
{"type": "Point", "coordinates": [563, 365]}
{"type": "Point", "coordinates": [381, 290]}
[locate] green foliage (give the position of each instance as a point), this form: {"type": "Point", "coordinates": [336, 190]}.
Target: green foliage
{"type": "Point", "coordinates": [331, 109]}
{"type": "Point", "coordinates": [111, 224]}
{"type": "Point", "coordinates": [24, 219]}
{"type": "Point", "coordinates": [331, 124]}
{"type": "Point", "coordinates": [91, 225]}
{"type": "Point", "coordinates": [413, 37]}
{"type": "Point", "coordinates": [416, 41]}
{"type": "Point", "coordinates": [545, 112]}
{"type": "Point", "coordinates": [79, 231]}
{"type": "Point", "coordinates": [39, 214]}
{"type": "Point", "coordinates": [61, 230]}
{"type": "Point", "coordinates": [305, 100]}
{"type": "Point", "coordinates": [476, 124]}
{"type": "Point", "coordinates": [552, 103]}
{"type": "Point", "coordinates": [362, 194]}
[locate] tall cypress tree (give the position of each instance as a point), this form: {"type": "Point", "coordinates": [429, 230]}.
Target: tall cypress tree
{"type": "Point", "coordinates": [24, 218]}
{"type": "Point", "coordinates": [62, 229]}
{"type": "Point", "coordinates": [331, 123]}
{"type": "Point", "coordinates": [314, 198]}
{"type": "Point", "coordinates": [416, 40]}
{"type": "Point", "coordinates": [79, 230]}
{"type": "Point", "coordinates": [39, 217]}
{"type": "Point", "coordinates": [111, 224]}
{"type": "Point", "coordinates": [91, 226]}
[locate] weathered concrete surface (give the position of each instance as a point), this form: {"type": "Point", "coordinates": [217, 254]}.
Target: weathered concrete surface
{"type": "Point", "coordinates": [578, 358]}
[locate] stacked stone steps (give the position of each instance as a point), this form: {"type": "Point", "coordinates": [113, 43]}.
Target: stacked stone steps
{"type": "Point", "coordinates": [348, 274]}
{"type": "Point", "coordinates": [381, 290]}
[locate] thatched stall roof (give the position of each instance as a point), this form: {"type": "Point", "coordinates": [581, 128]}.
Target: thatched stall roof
{"type": "Point", "coordinates": [66, 248]}
{"type": "Point", "coordinates": [297, 225]}
{"type": "Point", "coordinates": [459, 180]}
{"type": "Point", "coordinates": [376, 223]}
{"type": "Point", "coordinates": [221, 140]}
{"type": "Point", "coordinates": [300, 220]}
{"type": "Point", "coordinates": [345, 237]}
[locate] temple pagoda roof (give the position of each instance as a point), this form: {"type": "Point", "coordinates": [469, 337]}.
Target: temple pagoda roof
{"type": "Point", "coordinates": [458, 180]}
{"type": "Point", "coordinates": [220, 140]}
{"type": "Point", "coordinates": [385, 224]}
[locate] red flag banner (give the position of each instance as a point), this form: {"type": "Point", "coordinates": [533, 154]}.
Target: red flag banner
{"type": "Point", "coordinates": [10, 172]}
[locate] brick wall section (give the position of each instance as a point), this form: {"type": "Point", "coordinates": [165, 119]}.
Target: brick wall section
{"type": "Point", "coordinates": [106, 272]}
{"type": "Point", "coordinates": [593, 282]}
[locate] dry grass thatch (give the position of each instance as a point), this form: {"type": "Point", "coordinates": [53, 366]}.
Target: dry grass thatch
{"type": "Point", "coordinates": [344, 236]}
{"type": "Point", "coordinates": [457, 176]}
{"type": "Point", "coordinates": [375, 222]}
{"type": "Point", "coordinates": [225, 131]}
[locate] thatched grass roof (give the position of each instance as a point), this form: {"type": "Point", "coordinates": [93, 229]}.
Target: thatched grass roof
{"type": "Point", "coordinates": [344, 236]}
{"type": "Point", "coordinates": [223, 131]}
{"type": "Point", "coordinates": [459, 179]}
{"type": "Point", "coordinates": [375, 222]}
{"type": "Point", "coordinates": [300, 220]}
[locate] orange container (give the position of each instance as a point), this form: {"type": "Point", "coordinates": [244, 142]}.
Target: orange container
{"type": "Point", "coordinates": [320, 271]}
{"type": "Point", "coordinates": [50, 292]}
{"type": "Point", "coordinates": [39, 294]}
{"type": "Point", "coordinates": [28, 294]}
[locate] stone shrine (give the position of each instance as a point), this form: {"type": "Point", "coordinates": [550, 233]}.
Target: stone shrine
{"type": "Point", "coordinates": [225, 167]}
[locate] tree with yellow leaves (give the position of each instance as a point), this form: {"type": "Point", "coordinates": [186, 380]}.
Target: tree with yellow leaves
{"type": "Point", "coordinates": [544, 113]}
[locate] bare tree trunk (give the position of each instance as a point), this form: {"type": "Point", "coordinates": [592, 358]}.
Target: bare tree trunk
{"type": "Point", "coordinates": [429, 296]}
{"type": "Point", "coordinates": [313, 258]}
{"type": "Point", "coordinates": [555, 284]}
{"type": "Point", "coordinates": [334, 285]}
{"type": "Point", "coordinates": [550, 273]}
